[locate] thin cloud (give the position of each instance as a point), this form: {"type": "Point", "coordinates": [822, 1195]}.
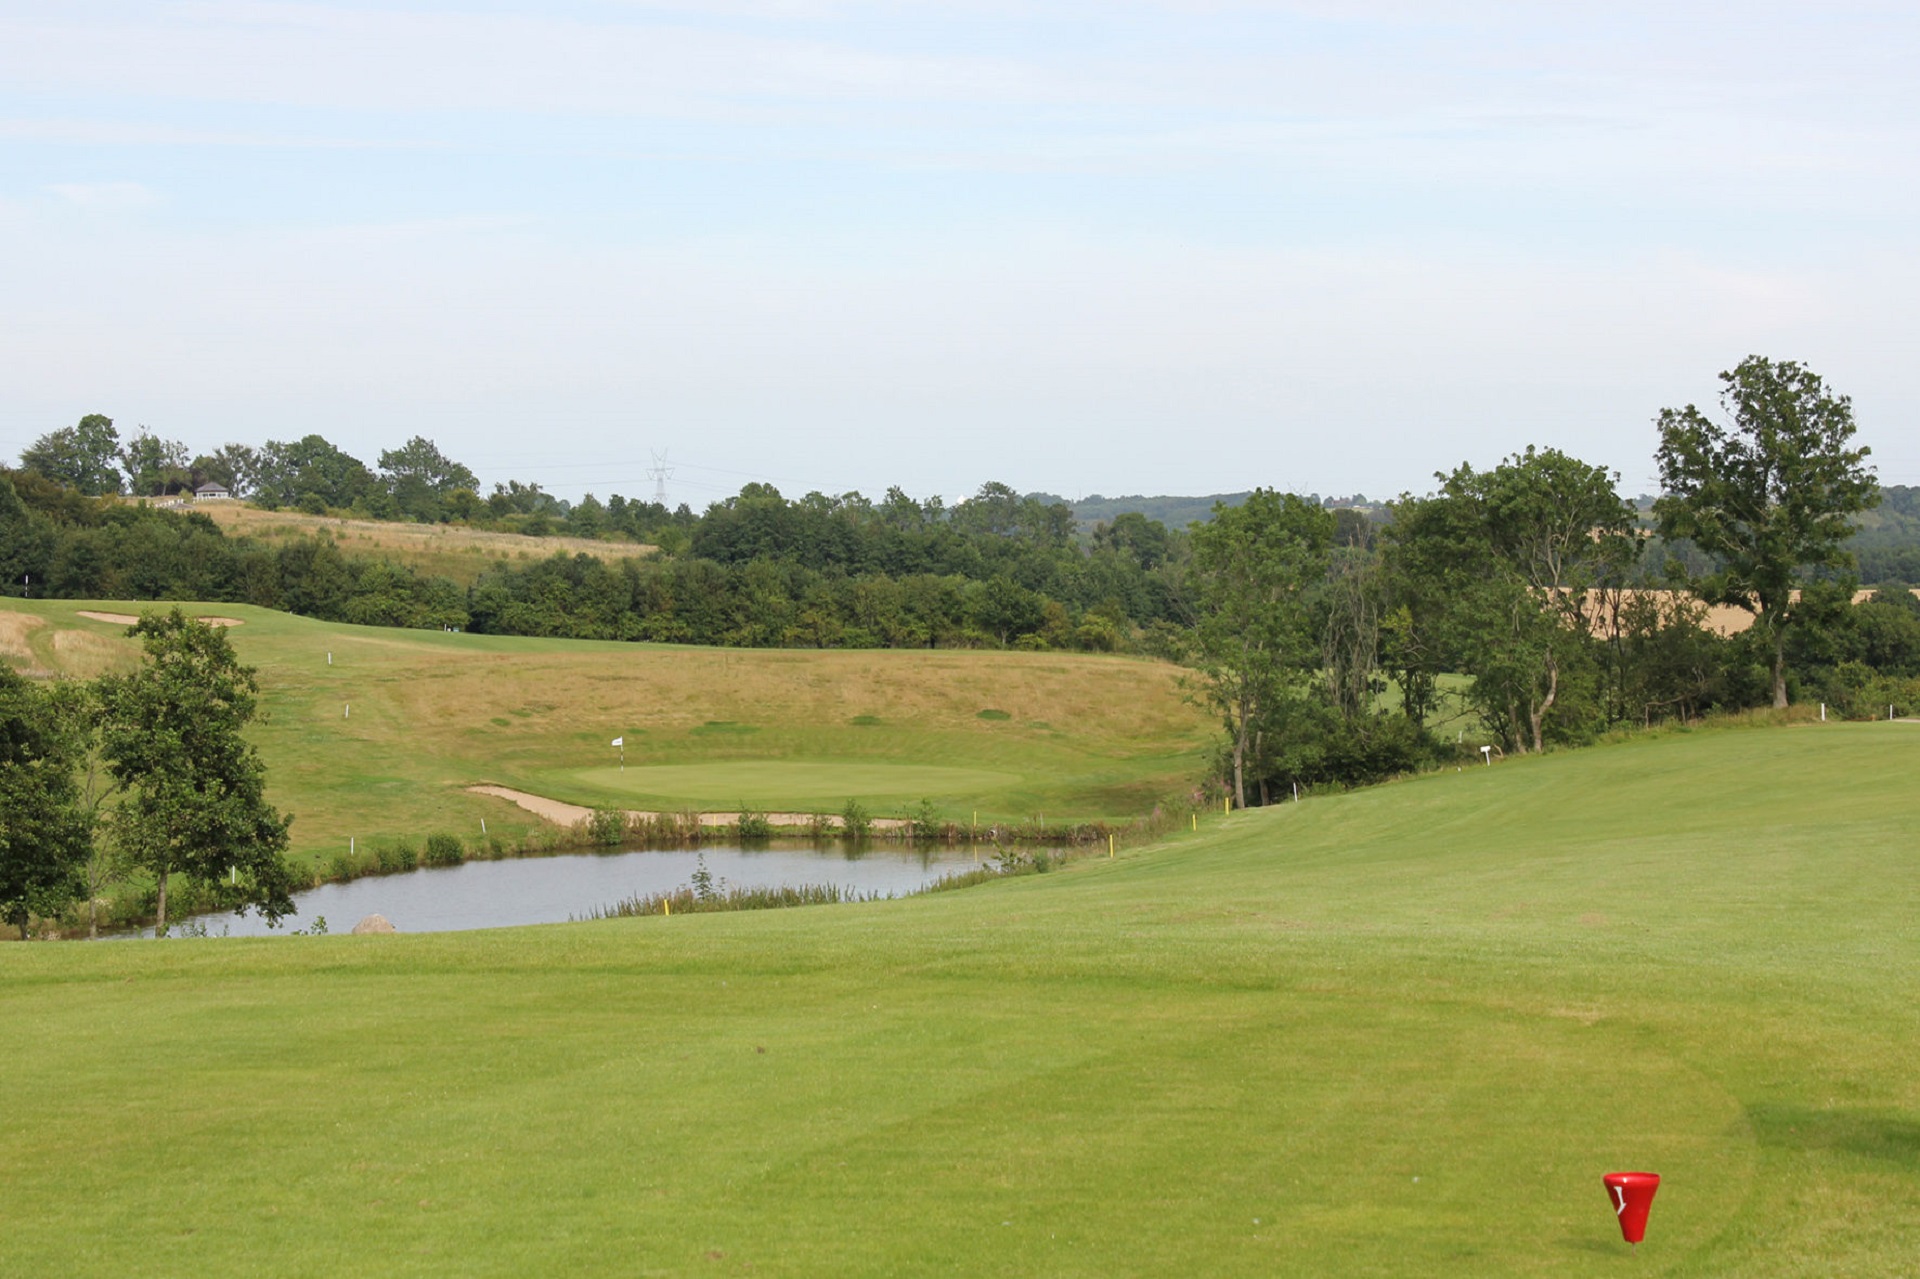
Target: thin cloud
{"type": "Point", "coordinates": [106, 196]}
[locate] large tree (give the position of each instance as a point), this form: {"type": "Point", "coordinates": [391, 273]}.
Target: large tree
{"type": "Point", "coordinates": [154, 466]}
{"type": "Point", "coordinates": [1502, 565]}
{"type": "Point", "coordinates": [421, 478]}
{"type": "Point", "coordinates": [1254, 640]}
{"type": "Point", "coordinates": [310, 473]}
{"type": "Point", "coordinates": [44, 834]}
{"type": "Point", "coordinates": [84, 456]}
{"type": "Point", "coordinates": [1767, 496]}
{"type": "Point", "coordinates": [195, 799]}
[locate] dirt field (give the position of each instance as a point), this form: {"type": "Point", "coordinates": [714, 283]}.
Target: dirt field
{"type": "Point", "coordinates": [1721, 619]}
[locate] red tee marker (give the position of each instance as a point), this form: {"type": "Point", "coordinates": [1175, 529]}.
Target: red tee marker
{"type": "Point", "coordinates": [1631, 1194]}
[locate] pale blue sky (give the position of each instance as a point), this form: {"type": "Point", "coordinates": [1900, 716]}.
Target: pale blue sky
{"type": "Point", "coordinates": [1079, 247]}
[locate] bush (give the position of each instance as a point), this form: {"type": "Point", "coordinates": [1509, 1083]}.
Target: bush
{"type": "Point", "coordinates": [926, 824]}
{"type": "Point", "coordinates": [855, 821]}
{"type": "Point", "coordinates": [395, 856]}
{"type": "Point", "coordinates": [607, 827]}
{"type": "Point", "coordinates": [445, 850]}
{"type": "Point", "coordinates": [752, 825]}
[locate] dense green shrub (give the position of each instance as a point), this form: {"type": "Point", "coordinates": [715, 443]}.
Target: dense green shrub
{"type": "Point", "coordinates": [607, 827]}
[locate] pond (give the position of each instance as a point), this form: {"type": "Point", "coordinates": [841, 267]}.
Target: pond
{"type": "Point", "coordinates": [550, 890]}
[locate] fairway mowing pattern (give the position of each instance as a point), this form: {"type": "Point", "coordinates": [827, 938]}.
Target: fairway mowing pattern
{"type": "Point", "coordinates": [1397, 1032]}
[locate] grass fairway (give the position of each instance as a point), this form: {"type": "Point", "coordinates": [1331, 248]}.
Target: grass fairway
{"type": "Point", "coordinates": [382, 741]}
{"type": "Point", "coordinates": [1400, 1032]}
{"type": "Point", "coordinates": [815, 785]}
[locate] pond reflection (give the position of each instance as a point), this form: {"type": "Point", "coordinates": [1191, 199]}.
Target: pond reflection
{"type": "Point", "coordinates": [550, 890]}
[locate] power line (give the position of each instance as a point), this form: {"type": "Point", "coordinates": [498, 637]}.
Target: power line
{"type": "Point", "coordinates": [660, 472]}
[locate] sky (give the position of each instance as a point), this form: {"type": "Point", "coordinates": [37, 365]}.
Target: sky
{"type": "Point", "coordinates": [1117, 247]}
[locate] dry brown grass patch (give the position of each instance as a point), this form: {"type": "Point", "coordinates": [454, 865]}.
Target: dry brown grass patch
{"type": "Point", "coordinates": [444, 550]}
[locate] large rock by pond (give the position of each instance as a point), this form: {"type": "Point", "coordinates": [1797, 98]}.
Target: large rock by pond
{"type": "Point", "coordinates": [374, 924]}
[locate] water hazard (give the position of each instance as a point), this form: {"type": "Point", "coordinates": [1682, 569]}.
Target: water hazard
{"type": "Point", "coordinates": [550, 890]}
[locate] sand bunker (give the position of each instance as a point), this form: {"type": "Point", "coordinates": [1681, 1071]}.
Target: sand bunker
{"type": "Point", "coordinates": [565, 814]}
{"type": "Point", "coordinates": [128, 619]}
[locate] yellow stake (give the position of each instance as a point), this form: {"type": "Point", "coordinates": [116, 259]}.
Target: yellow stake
{"type": "Point", "coordinates": [1226, 804]}
{"type": "Point", "coordinates": [1109, 843]}
{"type": "Point", "coordinates": [666, 905]}
{"type": "Point", "coordinates": [1196, 820]}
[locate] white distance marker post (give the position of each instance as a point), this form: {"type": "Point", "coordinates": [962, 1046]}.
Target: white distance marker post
{"type": "Point", "coordinates": [1486, 753]}
{"type": "Point", "coordinates": [621, 742]}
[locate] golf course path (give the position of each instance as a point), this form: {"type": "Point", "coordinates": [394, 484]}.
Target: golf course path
{"type": "Point", "coordinates": [564, 814]}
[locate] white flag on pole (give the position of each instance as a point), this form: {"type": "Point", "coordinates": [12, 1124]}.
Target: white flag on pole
{"type": "Point", "coordinates": [618, 741]}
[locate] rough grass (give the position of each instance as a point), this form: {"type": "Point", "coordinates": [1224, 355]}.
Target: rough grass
{"type": "Point", "coordinates": [443, 550]}
{"type": "Point", "coordinates": [382, 742]}
{"type": "Point", "coordinates": [1397, 1032]}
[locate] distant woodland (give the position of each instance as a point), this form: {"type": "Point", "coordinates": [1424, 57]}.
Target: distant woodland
{"type": "Point", "coordinates": [1399, 615]}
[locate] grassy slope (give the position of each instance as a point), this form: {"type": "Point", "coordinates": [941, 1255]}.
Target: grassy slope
{"type": "Point", "coordinates": [433, 712]}
{"type": "Point", "coordinates": [443, 550]}
{"type": "Point", "coordinates": [1393, 1033]}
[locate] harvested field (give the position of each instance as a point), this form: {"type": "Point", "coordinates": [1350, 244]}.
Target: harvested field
{"type": "Point", "coordinates": [442, 550]}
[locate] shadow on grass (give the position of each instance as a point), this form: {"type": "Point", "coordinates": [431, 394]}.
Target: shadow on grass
{"type": "Point", "coordinates": [1873, 1134]}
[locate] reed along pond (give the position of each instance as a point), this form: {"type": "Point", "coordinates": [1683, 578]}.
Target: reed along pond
{"type": "Point", "coordinates": [551, 890]}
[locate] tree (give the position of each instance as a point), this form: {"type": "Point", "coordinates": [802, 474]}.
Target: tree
{"type": "Point", "coordinates": [236, 466]}
{"type": "Point", "coordinates": [84, 456]}
{"type": "Point", "coordinates": [195, 789]}
{"type": "Point", "coordinates": [27, 542]}
{"type": "Point", "coordinates": [1496, 575]}
{"type": "Point", "coordinates": [76, 707]}
{"type": "Point", "coordinates": [311, 474]}
{"type": "Point", "coordinates": [1254, 640]}
{"type": "Point", "coordinates": [1766, 497]}
{"type": "Point", "coordinates": [44, 835]}
{"type": "Point", "coordinates": [155, 466]}
{"type": "Point", "coordinates": [421, 477]}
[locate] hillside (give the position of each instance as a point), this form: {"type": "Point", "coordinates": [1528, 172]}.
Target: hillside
{"type": "Point", "coordinates": [1398, 1032]}
{"type": "Point", "coordinates": [441, 550]}
{"type": "Point", "coordinates": [383, 740]}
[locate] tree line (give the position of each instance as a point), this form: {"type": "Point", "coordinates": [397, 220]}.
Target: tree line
{"type": "Point", "coordinates": [1334, 642]}
{"type": "Point", "coordinates": [1519, 593]}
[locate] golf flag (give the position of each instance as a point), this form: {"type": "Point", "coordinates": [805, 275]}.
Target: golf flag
{"type": "Point", "coordinates": [618, 741]}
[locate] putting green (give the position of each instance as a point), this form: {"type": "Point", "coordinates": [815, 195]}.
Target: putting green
{"type": "Point", "coordinates": [779, 784]}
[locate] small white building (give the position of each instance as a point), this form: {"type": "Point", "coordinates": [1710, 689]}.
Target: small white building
{"type": "Point", "coordinates": [211, 492]}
